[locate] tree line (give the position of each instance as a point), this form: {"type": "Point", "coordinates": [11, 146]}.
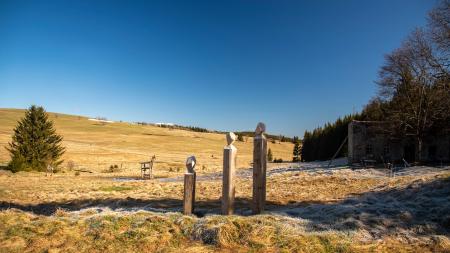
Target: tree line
{"type": "Point", "coordinates": [413, 91]}
{"type": "Point", "coordinates": [323, 142]}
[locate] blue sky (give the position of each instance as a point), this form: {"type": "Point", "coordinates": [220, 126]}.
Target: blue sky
{"type": "Point", "coordinates": [222, 65]}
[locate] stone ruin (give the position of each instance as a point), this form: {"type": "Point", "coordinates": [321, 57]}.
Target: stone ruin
{"type": "Point", "coordinates": [371, 140]}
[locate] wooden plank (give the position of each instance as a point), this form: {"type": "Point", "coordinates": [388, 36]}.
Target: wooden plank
{"type": "Point", "coordinates": [339, 149]}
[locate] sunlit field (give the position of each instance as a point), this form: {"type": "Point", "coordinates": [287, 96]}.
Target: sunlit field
{"type": "Point", "coordinates": [310, 207]}
{"type": "Point", "coordinates": [95, 146]}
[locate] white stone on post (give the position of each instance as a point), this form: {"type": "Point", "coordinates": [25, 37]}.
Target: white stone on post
{"type": "Point", "coordinates": [189, 186]}
{"type": "Point", "coordinates": [229, 167]}
{"type": "Point", "coordinates": [259, 169]}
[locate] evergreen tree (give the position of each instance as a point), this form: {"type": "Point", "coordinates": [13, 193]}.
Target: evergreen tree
{"type": "Point", "coordinates": [296, 152]}
{"type": "Point", "coordinates": [322, 142]}
{"type": "Point", "coordinates": [35, 142]}
{"type": "Point", "coordinates": [269, 155]}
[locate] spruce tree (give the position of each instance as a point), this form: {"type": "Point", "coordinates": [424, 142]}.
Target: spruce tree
{"type": "Point", "coordinates": [269, 155]}
{"type": "Point", "coordinates": [35, 142]}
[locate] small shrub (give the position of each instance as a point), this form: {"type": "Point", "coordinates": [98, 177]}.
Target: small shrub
{"type": "Point", "coordinates": [278, 160]}
{"type": "Point", "coordinates": [77, 173]}
{"type": "Point", "coordinates": [112, 168]}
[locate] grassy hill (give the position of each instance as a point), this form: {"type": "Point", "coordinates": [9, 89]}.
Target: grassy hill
{"type": "Point", "coordinates": [310, 207]}
{"type": "Point", "coordinates": [95, 145]}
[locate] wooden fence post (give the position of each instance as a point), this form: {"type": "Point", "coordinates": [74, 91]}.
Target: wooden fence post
{"type": "Point", "coordinates": [229, 167]}
{"type": "Point", "coordinates": [189, 193]}
{"type": "Point", "coordinates": [259, 169]}
{"type": "Point", "coordinates": [189, 186]}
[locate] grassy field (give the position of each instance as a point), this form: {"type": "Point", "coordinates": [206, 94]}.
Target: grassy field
{"type": "Point", "coordinates": [307, 211]}
{"type": "Point", "coordinates": [310, 208]}
{"type": "Point", "coordinates": [95, 146]}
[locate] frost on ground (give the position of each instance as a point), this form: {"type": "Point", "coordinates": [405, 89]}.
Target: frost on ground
{"type": "Point", "coordinates": [311, 207]}
{"type": "Point", "coordinates": [413, 205]}
{"type": "Point", "coordinates": [419, 208]}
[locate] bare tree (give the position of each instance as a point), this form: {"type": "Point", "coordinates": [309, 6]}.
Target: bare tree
{"type": "Point", "coordinates": [439, 28]}
{"type": "Point", "coordinates": [414, 84]}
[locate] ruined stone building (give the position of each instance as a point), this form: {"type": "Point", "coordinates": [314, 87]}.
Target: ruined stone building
{"type": "Point", "coordinates": [370, 140]}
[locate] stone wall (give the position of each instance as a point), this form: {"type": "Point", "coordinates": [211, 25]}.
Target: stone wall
{"type": "Point", "coordinates": [371, 140]}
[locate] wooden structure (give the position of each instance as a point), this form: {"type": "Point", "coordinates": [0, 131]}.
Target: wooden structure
{"type": "Point", "coordinates": [259, 169]}
{"type": "Point", "coordinates": [229, 167]}
{"type": "Point", "coordinates": [189, 186]}
{"type": "Point", "coordinates": [189, 193]}
{"type": "Point", "coordinates": [147, 168]}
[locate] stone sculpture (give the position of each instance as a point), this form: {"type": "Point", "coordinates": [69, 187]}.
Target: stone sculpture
{"type": "Point", "coordinates": [190, 164]}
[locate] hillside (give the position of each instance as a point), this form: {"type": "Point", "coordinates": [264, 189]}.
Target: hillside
{"type": "Point", "coordinates": [95, 146]}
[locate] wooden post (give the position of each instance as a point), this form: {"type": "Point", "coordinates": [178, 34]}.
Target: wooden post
{"type": "Point", "coordinates": [189, 193]}
{"type": "Point", "coordinates": [259, 169]}
{"type": "Point", "coordinates": [229, 167]}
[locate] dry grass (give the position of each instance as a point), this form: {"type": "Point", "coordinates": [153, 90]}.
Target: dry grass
{"type": "Point", "coordinates": [309, 209]}
{"type": "Point", "coordinates": [173, 232]}
{"type": "Point", "coordinates": [35, 188]}
{"type": "Point", "coordinates": [92, 213]}
{"type": "Point", "coordinates": [96, 146]}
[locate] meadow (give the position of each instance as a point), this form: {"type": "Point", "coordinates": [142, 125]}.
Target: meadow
{"type": "Point", "coordinates": [310, 208]}
{"type": "Point", "coordinates": [95, 146]}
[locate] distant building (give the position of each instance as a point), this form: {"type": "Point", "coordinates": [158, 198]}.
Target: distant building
{"type": "Point", "coordinates": [101, 120]}
{"type": "Point", "coordinates": [164, 124]}
{"type": "Point", "coordinates": [371, 140]}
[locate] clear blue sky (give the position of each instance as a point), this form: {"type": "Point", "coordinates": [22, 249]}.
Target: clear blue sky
{"type": "Point", "coordinates": [222, 65]}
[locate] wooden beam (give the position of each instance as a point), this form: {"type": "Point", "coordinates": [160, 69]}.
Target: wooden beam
{"type": "Point", "coordinates": [228, 189]}
{"type": "Point", "coordinates": [189, 193]}
{"type": "Point", "coordinates": [259, 173]}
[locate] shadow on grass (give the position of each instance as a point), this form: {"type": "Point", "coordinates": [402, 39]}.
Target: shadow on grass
{"type": "Point", "coordinates": [421, 208]}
